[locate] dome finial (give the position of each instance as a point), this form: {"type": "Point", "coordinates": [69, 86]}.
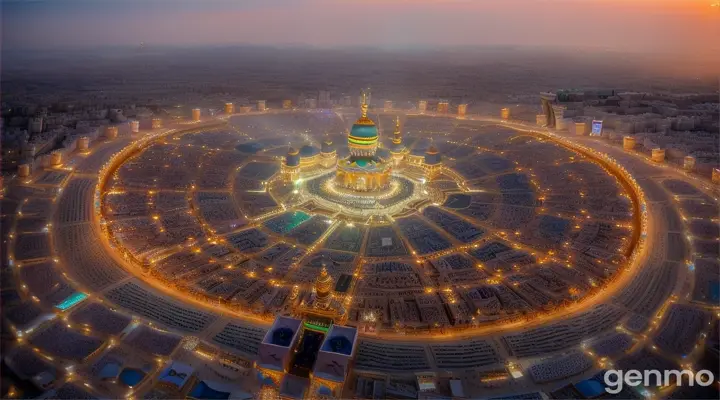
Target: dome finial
{"type": "Point", "coordinates": [364, 106]}
{"type": "Point", "coordinates": [396, 135]}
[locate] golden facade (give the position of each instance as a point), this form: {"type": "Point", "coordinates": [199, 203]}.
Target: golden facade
{"type": "Point", "coordinates": [689, 163]}
{"type": "Point", "coordinates": [327, 160]}
{"type": "Point", "coordinates": [309, 161]}
{"type": "Point", "coordinates": [628, 143]}
{"type": "Point", "coordinates": [422, 106]}
{"type": "Point", "coordinates": [505, 113]}
{"type": "Point", "coordinates": [111, 132]}
{"type": "Point", "coordinates": [658, 155]}
{"type": "Point", "coordinates": [363, 181]}
{"type": "Point", "coordinates": [462, 110]}
{"type": "Point", "coordinates": [289, 173]}
{"type": "Point", "coordinates": [443, 107]}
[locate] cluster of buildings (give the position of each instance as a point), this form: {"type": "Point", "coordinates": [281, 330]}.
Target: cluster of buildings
{"type": "Point", "coordinates": [684, 127]}
{"type": "Point", "coordinates": [338, 308]}
{"type": "Point", "coordinates": [30, 132]}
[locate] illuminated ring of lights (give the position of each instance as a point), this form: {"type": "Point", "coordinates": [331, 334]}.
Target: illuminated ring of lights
{"type": "Point", "coordinates": [628, 182]}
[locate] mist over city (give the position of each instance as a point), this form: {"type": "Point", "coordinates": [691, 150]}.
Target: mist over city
{"type": "Point", "coordinates": [367, 199]}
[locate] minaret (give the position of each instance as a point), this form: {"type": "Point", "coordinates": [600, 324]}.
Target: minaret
{"type": "Point", "coordinates": [397, 139]}
{"type": "Point", "coordinates": [433, 162]}
{"type": "Point", "coordinates": [323, 287]}
{"type": "Point", "coordinates": [398, 150]}
{"type": "Point", "coordinates": [290, 169]}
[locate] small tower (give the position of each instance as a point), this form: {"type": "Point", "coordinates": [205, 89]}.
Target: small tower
{"type": "Point", "coordinates": [55, 158]}
{"type": "Point", "coordinates": [422, 106]}
{"type": "Point", "coordinates": [323, 289]}
{"type": "Point", "coordinates": [629, 143]}
{"type": "Point", "coordinates": [291, 166]}
{"type": "Point", "coordinates": [505, 113]}
{"type": "Point", "coordinates": [462, 110]}
{"type": "Point", "coordinates": [134, 126]}
{"type": "Point", "coordinates": [24, 170]}
{"type": "Point", "coordinates": [433, 162]}
{"type": "Point", "coordinates": [111, 132]}
{"type": "Point", "coordinates": [689, 163]}
{"type": "Point", "coordinates": [398, 148]}
{"type": "Point", "coordinates": [83, 144]}
{"type": "Point", "coordinates": [443, 107]}
{"type": "Point", "coordinates": [658, 155]}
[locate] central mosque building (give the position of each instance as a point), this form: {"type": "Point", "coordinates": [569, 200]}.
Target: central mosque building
{"type": "Point", "coordinates": [367, 169]}
{"type": "Point", "coordinates": [363, 170]}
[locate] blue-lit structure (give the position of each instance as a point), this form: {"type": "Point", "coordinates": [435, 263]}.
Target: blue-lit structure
{"type": "Point", "coordinates": [71, 301]}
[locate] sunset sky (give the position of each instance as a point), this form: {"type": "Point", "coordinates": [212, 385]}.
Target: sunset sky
{"type": "Point", "coordinates": [666, 26]}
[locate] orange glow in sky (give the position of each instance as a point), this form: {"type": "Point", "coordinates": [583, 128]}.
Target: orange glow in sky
{"type": "Point", "coordinates": [653, 26]}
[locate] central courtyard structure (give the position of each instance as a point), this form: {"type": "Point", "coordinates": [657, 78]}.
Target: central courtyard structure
{"type": "Point", "coordinates": [371, 179]}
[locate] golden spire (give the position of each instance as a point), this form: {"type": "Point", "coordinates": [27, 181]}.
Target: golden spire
{"type": "Point", "coordinates": [364, 106]}
{"type": "Point", "coordinates": [364, 120]}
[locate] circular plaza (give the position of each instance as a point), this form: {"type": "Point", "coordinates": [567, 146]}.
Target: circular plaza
{"type": "Point", "coordinates": [471, 232]}
{"type": "Point", "coordinates": [538, 258]}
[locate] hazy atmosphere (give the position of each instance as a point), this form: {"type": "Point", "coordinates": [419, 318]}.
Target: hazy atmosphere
{"type": "Point", "coordinates": [360, 199]}
{"type": "Point", "coordinates": [665, 26]}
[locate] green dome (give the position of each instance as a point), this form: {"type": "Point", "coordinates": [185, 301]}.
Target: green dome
{"type": "Point", "coordinates": [362, 163]}
{"type": "Point", "coordinates": [364, 131]}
